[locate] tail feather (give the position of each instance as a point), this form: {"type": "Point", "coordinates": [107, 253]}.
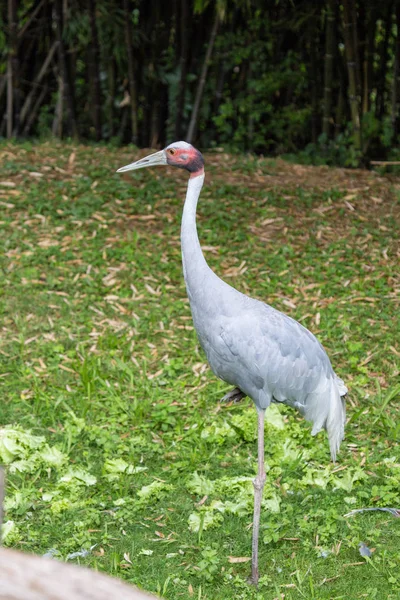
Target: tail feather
{"type": "Point", "coordinates": [335, 423]}
{"type": "Point", "coordinates": [341, 385]}
{"type": "Point", "coordinates": [326, 410]}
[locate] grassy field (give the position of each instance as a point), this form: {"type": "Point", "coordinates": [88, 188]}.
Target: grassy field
{"type": "Point", "coordinates": [119, 454]}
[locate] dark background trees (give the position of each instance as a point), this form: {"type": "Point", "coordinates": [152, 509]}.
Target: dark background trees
{"type": "Point", "coordinates": [277, 76]}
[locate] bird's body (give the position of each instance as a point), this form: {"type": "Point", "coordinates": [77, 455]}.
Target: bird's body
{"type": "Point", "coordinates": [249, 344]}
{"type": "Point", "coordinates": [264, 353]}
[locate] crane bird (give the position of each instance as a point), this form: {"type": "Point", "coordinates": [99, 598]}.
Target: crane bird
{"type": "Point", "coordinates": [262, 352]}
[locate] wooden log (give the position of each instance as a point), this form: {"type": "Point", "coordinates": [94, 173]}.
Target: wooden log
{"type": "Point", "coordinates": [384, 162]}
{"type": "Point", "coordinates": [29, 577]}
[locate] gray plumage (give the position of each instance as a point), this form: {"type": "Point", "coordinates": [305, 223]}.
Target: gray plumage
{"type": "Point", "coordinates": [249, 344]}
{"type": "Point", "coordinates": [264, 353]}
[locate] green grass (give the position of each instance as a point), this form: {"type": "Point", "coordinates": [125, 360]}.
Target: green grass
{"type": "Point", "coordinates": [130, 453]}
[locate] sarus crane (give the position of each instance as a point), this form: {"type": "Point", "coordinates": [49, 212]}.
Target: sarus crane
{"type": "Point", "coordinates": [262, 352]}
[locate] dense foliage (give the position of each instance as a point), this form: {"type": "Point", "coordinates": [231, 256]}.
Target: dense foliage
{"type": "Point", "coordinates": [272, 77]}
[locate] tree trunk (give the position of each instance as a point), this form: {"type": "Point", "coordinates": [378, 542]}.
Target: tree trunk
{"type": "Point", "coordinates": [154, 131]}
{"type": "Point", "coordinates": [382, 69]}
{"type": "Point", "coordinates": [202, 81]}
{"type": "Point", "coordinates": [354, 19]}
{"type": "Point", "coordinates": [33, 113]}
{"type": "Point", "coordinates": [340, 112]}
{"type": "Point", "coordinates": [63, 67]}
{"type": "Point", "coordinates": [219, 87]}
{"type": "Point", "coordinates": [123, 123]}
{"type": "Point", "coordinates": [250, 116]}
{"type": "Point", "coordinates": [313, 79]}
{"type": "Point", "coordinates": [328, 70]}
{"type": "Point", "coordinates": [12, 70]}
{"type": "Point", "coordinates": [396, 78]}
{"type": "Point", "coordinates": [94, 58]}
{"type": "Point", "coordinates": [35, 84]}
{"type": "Point", "coordinates": [131, 71]}
{"type": "Point", "coordinates": [3, 85]}
{"type": "Point", "coordinates": [58, 113]}
{"type": "Point", "coordinates": [368, 65]}
{"type": "Point", "coordinates": [183, 64]}
{"type": "Point", "coordinates": [348, 31]}
{"type": "Point", "coordinates": [10, 98]}
{"type": "Point", "coordinates": [111, 96]}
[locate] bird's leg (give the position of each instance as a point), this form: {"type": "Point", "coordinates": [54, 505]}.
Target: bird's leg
{"type": "Point", "coordinates": [258, 483]}
{"type": "Point", "coordinates": [234, 395]}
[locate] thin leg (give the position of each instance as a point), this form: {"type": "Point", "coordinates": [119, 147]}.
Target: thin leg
{"type": "Point", "coordinates": [234, 395]}
{"type": "Point", "coordinates": [258, 483]}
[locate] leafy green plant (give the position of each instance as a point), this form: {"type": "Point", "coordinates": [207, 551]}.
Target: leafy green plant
{"type": "Point", "coordinates": [207, 567]}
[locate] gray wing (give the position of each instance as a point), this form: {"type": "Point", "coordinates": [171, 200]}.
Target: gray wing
{"type": "Point", "coordinates": [269, 356]}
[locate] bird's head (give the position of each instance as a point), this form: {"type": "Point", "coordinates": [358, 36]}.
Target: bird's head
{"type": "Point", "coordinates": [177, 154]}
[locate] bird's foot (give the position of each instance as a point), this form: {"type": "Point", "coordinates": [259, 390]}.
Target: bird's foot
{"type": "Point", "coordinates": [254, 577]}
{"type": "Point", "coordinates": [234, 395]}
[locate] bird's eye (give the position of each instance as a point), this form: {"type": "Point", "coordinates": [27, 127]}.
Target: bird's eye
{"type": "Point", "coordinates": [171, 151]}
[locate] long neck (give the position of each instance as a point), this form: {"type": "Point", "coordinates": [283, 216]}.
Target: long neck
{"type": "Point", "coordinates": [194, 263]}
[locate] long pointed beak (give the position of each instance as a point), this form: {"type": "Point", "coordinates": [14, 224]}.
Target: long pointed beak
{"type": "Point", "coordinates": [158, 158]}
